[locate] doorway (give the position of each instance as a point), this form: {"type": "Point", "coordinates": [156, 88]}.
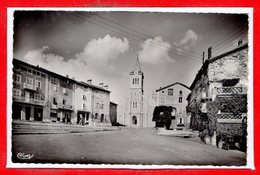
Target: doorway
{"type": "Point", "coordinates": [134, 120]}
{"type": "Point", "coordinates": [38, 114]}
{"type": "Point", "coordinates": [27, 113]}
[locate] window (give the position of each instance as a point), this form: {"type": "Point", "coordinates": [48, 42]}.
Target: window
{"type": "Point", "coordinates": [163, 92]}
{"type": "Point", "coordinates": [170, 92]}
{"type": "Point", "coordinates": [134, 104]}
{"type": "Point", "coordinates": [17, 78]}
{"type": "Point", "coordinates": [84, 106]}
{"type": "Point", "coordinates": [16, 92]}
{"type": "Point", "coordinates": [29, 80]}
{"type": "Point", "coordinates": [162, 100]}
{"type": "Point", "coordinates": [97, 105]}
{"type": "Point", "coordinates": [180, 93]}
{"type": "Point", "coordinates": [29, 71]}
{"type": "Point", "coordinates": [54, 80]}
{"type": "Point", "coordinates": [54, 101]}
{"type": "Point", "coordinates": [55, 88]}
{"type": "Point", "coordinates": [180, 120]}
{"type": "Point", "coordinates": [180, 110]}
{"type": "Point", "coordinates": [137, 81]}
{"type": "Point", "coordinates": [64, 102]}
{"type": "Point", "coordinates": [37, 96]}
{"type": "Point", "coordinates": [31, 95]}
{"type": "Point", "coordinates": [38, 73]}
{"type": "Point", "coordinates": [65, 91]}
{"type": "Point", "coordinates": [84, 97]}
{"type": "Point", "coordinates": [102, 106]}
{"type": "Point", "coordinates": [38, 83]}
{"type": "Point", "coordinates": [180, 99]}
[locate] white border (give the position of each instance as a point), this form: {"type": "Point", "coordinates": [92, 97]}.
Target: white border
{"type": "Point", "coordinates": [250, 137]}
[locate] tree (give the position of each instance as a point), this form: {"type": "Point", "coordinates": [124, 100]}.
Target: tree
{"type": "Point", "coordinates": [162, 114]}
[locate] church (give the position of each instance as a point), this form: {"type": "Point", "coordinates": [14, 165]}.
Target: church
{"type": "Point", "coordinates": [136, 110]}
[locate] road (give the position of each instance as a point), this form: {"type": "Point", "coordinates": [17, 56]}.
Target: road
{"type": "Point", "coordinates": [125, 146]}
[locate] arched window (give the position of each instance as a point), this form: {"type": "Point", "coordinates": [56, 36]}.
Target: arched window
{"type": "Point", "coordinates": [180, 99]}
{"type": "Point", "coordinates": [181, 121]}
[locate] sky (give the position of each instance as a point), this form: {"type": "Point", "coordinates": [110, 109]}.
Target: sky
{"type": "Point", "coordinates": [104, 46]}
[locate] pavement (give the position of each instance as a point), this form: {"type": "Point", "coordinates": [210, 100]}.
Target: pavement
{"type": "Point", "coordinates": [119, 146]}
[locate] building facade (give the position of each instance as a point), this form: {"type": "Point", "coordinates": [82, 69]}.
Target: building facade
{"type": "Point", "coordinates": [101, 105]}
{"type": "Point", "coordinates": [29, 92]}
{"type": "Point", "coordinates": [60, 97]}
{"type": "Point", "coordinates": [175, 95]}
{"type": "Point", "coordinates": [83, 103]}
{"type": "Point", "coordinates": [221, 84]}
{"type": "Point", "coordinates": [42, 95]}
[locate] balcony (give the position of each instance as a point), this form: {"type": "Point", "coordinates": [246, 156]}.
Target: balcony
{"type": "Point", "coordinates": [29, 86]}
{"type": "Point", "coordinates": [230, 117]}
{"type": "Point", "coordinates": [54, 106]}
{"type": "Point", "coordinates": [65, 107]}
{"type": "Point", "coordinates": [28, 100]}
{"type": "Point", "coordinates": [230, 90]}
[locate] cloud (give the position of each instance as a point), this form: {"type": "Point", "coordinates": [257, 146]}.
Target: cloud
{"type": "Point", "coordinates": [155, 51]}
{"type": "Point", "coordinates": [189, 39]}
{"type": "Point", "coordinates": [103, 50]}
{"type": "Point", "coordinates": [92, 62]}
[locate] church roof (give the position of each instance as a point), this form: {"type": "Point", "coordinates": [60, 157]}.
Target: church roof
{"type": "Point", "coordinates": [137, 65]}
{"type": "Point", "coordinates": [162, 88]}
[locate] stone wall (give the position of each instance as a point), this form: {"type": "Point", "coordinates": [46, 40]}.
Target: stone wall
{"type": "Point", "coordinates": [231, 66]}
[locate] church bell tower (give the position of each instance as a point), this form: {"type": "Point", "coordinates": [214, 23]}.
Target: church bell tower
{"type": "Point", "coordinates": [136, 96]}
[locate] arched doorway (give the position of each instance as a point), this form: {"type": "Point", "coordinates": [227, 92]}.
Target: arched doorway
{"type": "Point", "coordinates": [134, 120]}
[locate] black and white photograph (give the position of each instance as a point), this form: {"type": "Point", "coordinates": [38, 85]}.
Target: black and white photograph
{"type": "Point", "coordinates": [138, 88]}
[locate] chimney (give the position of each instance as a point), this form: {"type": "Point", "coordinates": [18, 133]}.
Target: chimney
{"type": "Point", "coordinates": [240, 42]}
{"type": "Point", "coordinates": [209, 52]}
{"type": "Point", "coordinates": [67, 76]}
{"type": "Point", "coordinates": [89, 81]}
{"type": "Point", "coordinates": [203, 57]}
{"type": "Point", "coordinates": [106, 87]}
{"type": "Point", "coordinates": [101, 84]}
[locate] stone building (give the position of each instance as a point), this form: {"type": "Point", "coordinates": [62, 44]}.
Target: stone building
{"type": "Point", "coordinates": [175, 95]}
{"type": "Point", "coordinates": [42, 95]}
{"type": "Point", "coordinates": [136, 110]}
{"type": "Point", "coordinates": [222, 83]}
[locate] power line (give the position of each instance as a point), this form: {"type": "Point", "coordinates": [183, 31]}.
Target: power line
{"type": "Point", "coordinates": [138, 39]}
{"type": "Point", "coordinates": [135, 31]}
{"type": "Point", "coordinates": [223, 47]}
